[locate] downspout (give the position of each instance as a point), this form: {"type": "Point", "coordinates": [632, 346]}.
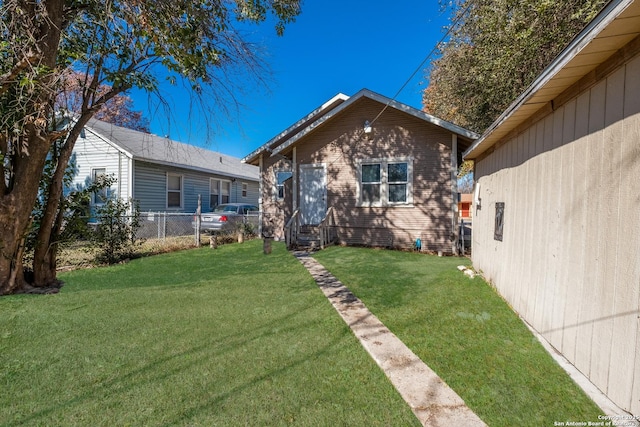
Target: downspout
{"type": "Point", "coordinates": [454, 193]}
{"type": "Point", "coordinates": [295, 179]}
{"type": "Point", "coordinates": [120, 177]}
{"type": "Point", "coordinates": [131, 164]}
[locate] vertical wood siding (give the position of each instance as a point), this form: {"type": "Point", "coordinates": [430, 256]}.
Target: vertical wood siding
{"type": "Point", "coordinates": [569, 261]}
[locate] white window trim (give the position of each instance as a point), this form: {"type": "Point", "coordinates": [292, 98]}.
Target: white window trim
{"type": "Point", "coordinates": [221, 183]}
{"type": "Point", "coordinates": [244, 191]}
{"type": "Point", "coordinates": [169, 174]}
{"type": "Point", "coordinates": [211, 191]}
{"type": "Point", "coordinates": [384, 184]}
{"type": "Point", "coordinates": [277, 190]}
{"type": "Point", "coordinates": [94, 199]}
{"type": "Point", "coordinates": [229, 185]}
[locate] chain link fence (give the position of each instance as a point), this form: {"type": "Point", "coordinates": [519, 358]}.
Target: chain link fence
{"type": "Point", "coordinates": [87, 238]}
{"type": "Point", "coordinates": [160, 225]}
{"type": "Point", "coordinates": [169, 226]}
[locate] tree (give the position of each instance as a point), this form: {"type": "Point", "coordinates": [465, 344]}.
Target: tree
{"type": "Point", "coordinates": [118, 110]}
{"type": "Point", "coordinates": [496, 49]}
{"type": "Point", "coordinates": [121, 44]}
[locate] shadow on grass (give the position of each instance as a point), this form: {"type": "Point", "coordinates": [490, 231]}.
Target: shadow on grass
{"type": "Point", "coordinates": [202, 354]}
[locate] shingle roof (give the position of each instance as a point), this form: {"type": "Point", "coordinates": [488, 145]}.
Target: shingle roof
{"type": "Point", "coordinates": [156, 149]}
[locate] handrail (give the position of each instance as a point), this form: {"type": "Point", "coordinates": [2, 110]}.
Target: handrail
{"type": "Point", "coordinates": [326, 228]}
{"type": "Point", "coordinates": [292, 228]}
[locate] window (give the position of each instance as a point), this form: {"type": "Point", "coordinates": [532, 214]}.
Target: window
{"type": "Point", "coordinates": [225, 191]}
{"type": "Point", "coordinates": [245, 189]}
{"type": "Point", "coordinates": [219, 192]}
{"type": "Point", "coordinates": [214, 193]}
{"type": "Point", "coordinates": [100, 196]}
{"type": "Point", "coordinates": [174, 191]}
{"type": "Point", "coordinates": [281, 177]}
{"type": "Point", "coordinates": [371, 183]}
{"type": "Point", "coordinates": [398, 178]}
{"type": "Point", "coordinates": [385, 182]}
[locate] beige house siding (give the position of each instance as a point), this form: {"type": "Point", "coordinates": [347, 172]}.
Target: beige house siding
{"type": "Point", "coordinates": [569, 260]}
{"type": "Point", "coordinates": [276, 212]}
{"type": "Point", "coordinates": [395, 135]}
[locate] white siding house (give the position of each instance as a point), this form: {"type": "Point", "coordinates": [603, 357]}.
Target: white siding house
{"type": "Point", "coordinates": [161, 174]}
{"type": "Point", "coordinates": [557, 186]}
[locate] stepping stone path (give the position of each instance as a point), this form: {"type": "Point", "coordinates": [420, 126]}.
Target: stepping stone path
{"type": "Point", "coordinates": [430, 398]}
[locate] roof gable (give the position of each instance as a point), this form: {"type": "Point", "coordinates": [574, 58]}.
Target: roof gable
{"type": "Point", "coordinates": [270, 145]}
{"type": "Point", "coordinates": [615, 26]}
{"type": "Point", "coordinates": [155, 149]}
{"type": "Point", "coordinates": [322, 115]}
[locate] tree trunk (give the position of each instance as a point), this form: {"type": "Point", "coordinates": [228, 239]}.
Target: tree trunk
{"type": "Point", "coordinates": [46, 250]}
{"type": "Point", "coordinates": [15, 213]}
{"type": "Point", "coordinates": [30, 148]}
{"type": "Point", "coordinates": [46, 255]}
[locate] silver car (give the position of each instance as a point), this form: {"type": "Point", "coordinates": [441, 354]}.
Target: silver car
{"type": "Point", "coordinates": [227, 215]}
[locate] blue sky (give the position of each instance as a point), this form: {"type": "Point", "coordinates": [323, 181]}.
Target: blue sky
{"type": "Point", "coordinates": [334, 46]}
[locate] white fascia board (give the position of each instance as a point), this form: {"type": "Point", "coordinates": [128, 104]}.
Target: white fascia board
{"type": "Point", "coordinates": [109, 142]}
{"type": "Point", "coordinates": [318, 111]}
{"type": "Point", "coordinates": [586, 36]}
{"type": "Point", "coordinates": [383, 100]}
{"type": "Point", "coordinates": [422, 115]}
{"type": "Point", "coordinates": [197, 169]}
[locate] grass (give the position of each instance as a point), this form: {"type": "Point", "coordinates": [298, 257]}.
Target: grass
{"type": "Point", "coordinates": [465, 332]}
{"type": "Point", "coordinates": [82, 254]}
{"type": "Point", "coordinates": [199, 338]}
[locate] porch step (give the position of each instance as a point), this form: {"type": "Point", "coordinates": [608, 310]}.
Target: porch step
{"type": "Point", "coordinates": [308, 241]}
{"type": "Point", "coordinates": [308, 237]}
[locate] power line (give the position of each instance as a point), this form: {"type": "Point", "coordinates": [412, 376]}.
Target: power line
{"type": "Point", "coordinates": [451, 27]}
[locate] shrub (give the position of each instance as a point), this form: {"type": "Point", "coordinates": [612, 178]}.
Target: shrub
{"type": "Point", "coordinates": [116, 229]}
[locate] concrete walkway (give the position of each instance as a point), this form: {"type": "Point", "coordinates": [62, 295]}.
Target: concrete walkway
{"type": "Point", "coordinates": [430, 399]}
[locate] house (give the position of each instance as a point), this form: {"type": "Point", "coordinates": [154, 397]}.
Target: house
{"type": "Point", "coordinates": [375, 171]}
{"type": "Point", "coordinates": [464, 205]}
{"type": "Point", "coordinates": [557, 184]}
{"type": "Point", "coordinates": [160, 174]}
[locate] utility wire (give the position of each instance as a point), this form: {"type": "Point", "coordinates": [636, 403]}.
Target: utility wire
{"type": "Point", "coordinates": [451, 27]}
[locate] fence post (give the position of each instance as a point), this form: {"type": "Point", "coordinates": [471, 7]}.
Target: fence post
{"type": "Point", "coordinates": [198, 211]}
{"type": "Point", "coordinates": [157, 221]}
{"type": "Point", "coordinates": [164, 228]}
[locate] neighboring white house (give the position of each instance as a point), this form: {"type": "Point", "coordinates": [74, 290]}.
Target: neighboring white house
{"type": "Point", "coordinates": [558, 185]}
{"type": "Point", "coordinates": [161, 174]}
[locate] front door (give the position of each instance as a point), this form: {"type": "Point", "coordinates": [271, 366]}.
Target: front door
{"type": "Point", "coordinates": [313, 193]}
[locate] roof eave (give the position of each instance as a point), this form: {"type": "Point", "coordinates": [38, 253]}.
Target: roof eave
{"type": "Point", "coordinates": [195, 168]}
{"type": "Point", "coordinates": [383, 100]}
{"type": "Point", "coordinates": [269, 146]}
{"type": "Point", "coordinates": [608, 14]}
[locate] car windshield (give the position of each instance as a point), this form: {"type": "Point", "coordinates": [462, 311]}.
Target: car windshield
{"type": "Point", "coordinates": [226, 208]}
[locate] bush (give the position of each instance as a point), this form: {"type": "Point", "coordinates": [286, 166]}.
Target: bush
{"type": "Point", "coordinates": [116, 230]}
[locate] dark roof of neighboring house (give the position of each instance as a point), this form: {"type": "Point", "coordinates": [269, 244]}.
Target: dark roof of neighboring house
{"type": "Point", "coordinates": [156, 149]}
{"type": "Point", "coordinates": [616, 25]}
{"type": "Point", "coordinates": [334, 106]}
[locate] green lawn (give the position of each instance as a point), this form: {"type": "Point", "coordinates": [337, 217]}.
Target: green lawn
{"type": "Point", "coordinates": [465, 332]}
{"type": "Point", "coordinates": [200, 338]}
